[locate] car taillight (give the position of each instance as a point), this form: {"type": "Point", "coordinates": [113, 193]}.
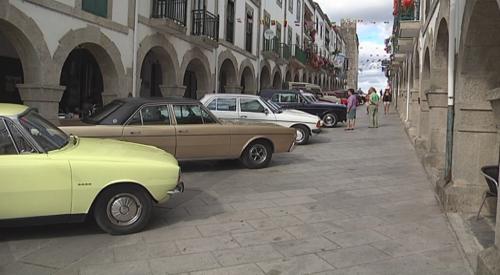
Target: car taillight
{"type": "Point", "coordinates": [319, 124]}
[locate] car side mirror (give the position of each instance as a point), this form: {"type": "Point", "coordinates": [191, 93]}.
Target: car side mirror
{"type": "Point", "coordinates": [266, 111]}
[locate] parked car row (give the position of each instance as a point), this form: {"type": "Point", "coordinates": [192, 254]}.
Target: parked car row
{"type": "Point", "coordinates": [115, 164]}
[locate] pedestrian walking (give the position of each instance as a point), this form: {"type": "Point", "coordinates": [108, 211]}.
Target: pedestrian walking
{"type": "Point", "coordinates": [352, 103]}
{"type": "Point", "coordinates": [387, 99]}
{"type": "Point", "coordinates": [367, 100]}
{"type": "Point", "coordinates": [373, 108]}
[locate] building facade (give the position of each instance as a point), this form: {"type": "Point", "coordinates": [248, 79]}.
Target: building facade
{"type": "Point", "coordinates": [445, 72]}
{"type": "Point", "coordinates": [68, 57]}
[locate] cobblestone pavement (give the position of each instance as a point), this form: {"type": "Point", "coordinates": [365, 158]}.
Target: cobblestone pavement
{"type": "Point", "coordinates": [349, 203]}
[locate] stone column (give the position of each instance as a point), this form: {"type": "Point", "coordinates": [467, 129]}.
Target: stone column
{"type": "Point", "coordinates": [422, 141]}
{"type": "Point", "coordinates": [233, 89]}
{"type": "Point", "coordinates": [489, 260]}
{"type": "Point", "coordinates": [44, 97]}
{"type": "Point", "coordinates": [108, 97]}
{"type": "Point", "coordinates": [414, 113]}
{"type": "Point", "coordinates": [173, 90]}
{"type": "Point", "coordinates": [438, 112]}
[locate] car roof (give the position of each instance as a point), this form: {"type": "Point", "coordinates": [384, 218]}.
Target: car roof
{"type": "Point", "coordinates": [7, 109]}
{"type": "Point", "coordinates": [271, 91]}
{"type": "Point", "coordinates": [229, 95]}
{"type": "Point", "coordinates": [168, 99]}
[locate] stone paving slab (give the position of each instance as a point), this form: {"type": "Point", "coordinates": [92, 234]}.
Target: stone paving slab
{"type": "Point", "coordinates": [349, 203]}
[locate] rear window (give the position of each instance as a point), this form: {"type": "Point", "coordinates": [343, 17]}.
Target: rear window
{"type": "Point", "coordinates": [104, 112]}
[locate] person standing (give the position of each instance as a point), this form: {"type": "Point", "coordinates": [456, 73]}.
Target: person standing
{"type": "Point", "coordinates": [373, 108]}
{"type": "Point", "coordinates": [387, 99]}
{"type": "Point", "coordinates": [352, 103]}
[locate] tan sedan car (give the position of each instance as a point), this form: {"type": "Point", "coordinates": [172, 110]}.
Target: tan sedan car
{"type": "Point", "coordinates": [186, 129]}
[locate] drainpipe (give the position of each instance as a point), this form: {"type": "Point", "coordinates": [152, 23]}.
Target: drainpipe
{"type": "Point", "coordinates": [216, 50]}
{"type": "Point", "coordinates": [134, 49]}
{"type": "Point", "coordinates": [408, 93]}
{"type": "Point", "coordinates": [451, 92]}
{"type": "Point", "coordinates": [259, 36]}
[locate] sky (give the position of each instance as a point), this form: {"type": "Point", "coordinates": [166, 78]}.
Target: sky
{"type": "Point", "coordinates": [371, 32]}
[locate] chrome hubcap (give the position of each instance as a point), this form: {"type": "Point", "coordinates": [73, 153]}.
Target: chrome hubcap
{"type": "Point", "coordinates": [258, 153]}
{"type": "Point", "coordinates": [300, 135]}
{"type": "Point", "coordinates": [124, 209]}
{"type": "Point", "coordinates": [329, 120]}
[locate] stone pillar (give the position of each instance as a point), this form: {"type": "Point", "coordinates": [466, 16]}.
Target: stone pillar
{"type": "Point", "coordinates": [233, 89]}
{"type": "Point", "coordinates": [44, 97]}
{"type": "Point", "coordinates": [489, 260]}
{"type": "Point", "coordinates": [414, 113]}
{"type": "Point", "coordinates": [422, 140]}
{"type": "Point", "coordinates": [108, 97]}
{"type": "Point", "coordinates": [173, 90]}
{"type": "Point", "coordinates": [438, 112]}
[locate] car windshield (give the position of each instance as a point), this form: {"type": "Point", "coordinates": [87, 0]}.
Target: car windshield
{"type": "Point", "coordinates": [107, 110]}
{"type": "Point", "coordinates": [271, 105]}
{"type": "Point", "coordinates": [48, 136]}
{"type": "Point", "coordinates": [311, 98]}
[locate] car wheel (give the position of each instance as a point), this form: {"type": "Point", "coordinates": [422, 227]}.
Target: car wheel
{"type": "Point", "coordinates": [303, 134]}
{"type": "Point", "coordinates": [330, 120]}
{"type": "Point", "coordinates": [123, 210]}
{"type": "Point", "coordinates": [257, 155]}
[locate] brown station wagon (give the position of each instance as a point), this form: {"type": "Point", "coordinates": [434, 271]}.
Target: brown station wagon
{"type": "Point", "coordinates": [186, 129]}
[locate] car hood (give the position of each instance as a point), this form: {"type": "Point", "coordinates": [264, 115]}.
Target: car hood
{"type": "Point", "coordinates": [95, 149]}
{"type": "Point", "coordinates": [296, 116]}
{"type": "Point", "coordinates": [254, 128]}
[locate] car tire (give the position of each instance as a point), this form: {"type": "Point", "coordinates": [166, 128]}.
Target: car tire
{"type": "Point", "coordinates": [330, 120]}
{"type": "Point", "coordinates": [303, 134]}
{"type": "Point", "coordinates": [123, 209]}
{"type": "Point", "coordinates": [257, 155]}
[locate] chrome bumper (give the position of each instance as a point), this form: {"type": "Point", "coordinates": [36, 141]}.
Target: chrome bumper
{"type": "Point", "coordinates": [178, 189]}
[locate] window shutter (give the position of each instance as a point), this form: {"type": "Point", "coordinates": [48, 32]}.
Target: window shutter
{"type": "Point", "coordinates": [97, 7]}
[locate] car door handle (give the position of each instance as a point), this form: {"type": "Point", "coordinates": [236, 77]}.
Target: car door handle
{"type": "Point", "coordinates": [136, 133]}
{"type": "Point", "coordinates": [243, 117]}
{"type": "Point", "coordinates": [183, 131]}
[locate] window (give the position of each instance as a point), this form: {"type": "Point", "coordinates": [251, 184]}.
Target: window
{"type": "Point", "coordinates": [278, 32]}
{"type": "Point", "coordinates": [230, 21]}
{"type": "Point", "coordinates": [249, 30]}
{"type": "Point", "coordinates": [226, 104]}
{"type": "Point", "coordinates": [289, 98]}
{"type": "Point", "coordinates": [45, 134]}
{"type": "Point", "coordinates": [23, 146]}
{"type": "Point", "coordinates": [192, 114]}
{"type": "Point", "coordinates": [275, 98]}
{"type": "Point", "coordinates": [97, 7]}
{"type": "Point", "coordinates": [290, 35]}
{"type": "Point", "coordinates": [6, 145]}
{"type": "Point", "coordinates": [280, 3]}
{"type": "Point", "coordinates": [290, 5]}
{"type": "Point", "coordinates": [299, 8]}
{"type": "Point", "coordinates": [251, 106]}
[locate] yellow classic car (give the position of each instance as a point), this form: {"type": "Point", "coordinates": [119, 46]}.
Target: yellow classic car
{"type": "Point", "coordinates": [186, 129]}
{"type": "Point", "coordinates": [50, 177]}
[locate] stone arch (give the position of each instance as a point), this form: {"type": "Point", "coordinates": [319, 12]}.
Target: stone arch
{"type": "Point", "coordinates": [277, 78]}
{"type": "Point", "coordinates": [228, 72]}
{"type": "Point", "coordinates": [29, 43]}
{"type": "Point", "coordinates": [247, 77]}
{"type": "Point", "coordinates": [156, 48]}
{"type": "Point", "coordinates": [105, 52]}
{"type": "Point", "coordinates": [195, 74]}
{"type": "Point", "coordinates": [475, 141]}
{"type": "Point", "coordinates": [265, 76]}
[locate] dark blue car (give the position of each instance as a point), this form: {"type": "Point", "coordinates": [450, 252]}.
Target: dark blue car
{"type": "Point", "coordinates": [331, 113]}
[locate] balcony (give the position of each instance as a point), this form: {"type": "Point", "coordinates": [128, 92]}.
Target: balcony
{"type": "Point", "coordinates": [285, 51]}
{"type": "Point", "coordinates": [205, 24]}
{"type": "Point", "coordinates": [174, 10]}
{"type": "Point", "coordinates": [271, 46]}
{"type": "Point", "coordinates": [407, 22]}
{"type": "Point", "coordinates": [299, 54]}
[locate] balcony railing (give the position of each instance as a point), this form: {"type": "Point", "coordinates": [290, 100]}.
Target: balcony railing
{"type": "Point", "coordinates": [174, 10]}
{"type": "Point", "coordinates": [272, 45]}
{"type": "Point", "coordinates": [205, 24]}
{"type": "Point", "coordinates": [285, 51]}
{"type": "Point", "coordinates": [299, 54]}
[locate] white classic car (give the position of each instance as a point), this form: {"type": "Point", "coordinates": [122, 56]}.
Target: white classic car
{"type": "Point", "coordinates": [257, 109]}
